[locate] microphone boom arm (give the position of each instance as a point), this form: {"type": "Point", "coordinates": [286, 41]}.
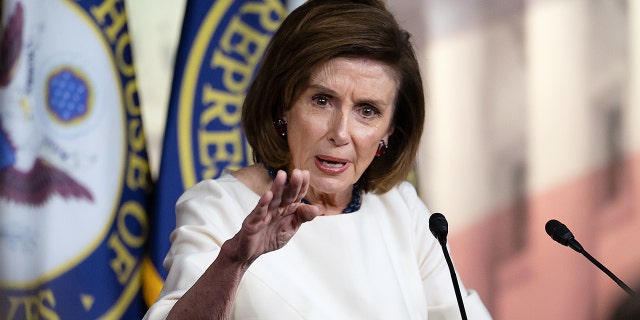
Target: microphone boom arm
{"type": "Point", "coordinates": [454, 279]}
{"type": "Point", "coordinates": [609, 273]}
{"type": "Point", "coordinates": [561, 234]}
{"type": "Point", "coordinates": [440, 228]}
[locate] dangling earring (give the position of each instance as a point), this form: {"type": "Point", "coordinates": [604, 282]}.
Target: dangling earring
{"type": "Point", "coordinates": [382, 148]}
{"type": "Point", "coordinates": [281, 127]}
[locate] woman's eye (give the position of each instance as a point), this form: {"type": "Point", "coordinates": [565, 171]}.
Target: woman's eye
{"type": "Point", "coordinates": [320, 99]}
{"type": "Point", "coordinates": [369, 111]}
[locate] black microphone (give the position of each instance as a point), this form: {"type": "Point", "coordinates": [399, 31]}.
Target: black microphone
{"type": "Point", "coordinates": [560, 233]}
{"type": "Point", "coordinates": [440, 228]}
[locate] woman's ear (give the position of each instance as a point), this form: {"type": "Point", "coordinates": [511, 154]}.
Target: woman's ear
{"type": "Point", "coordinates": [389, 133]}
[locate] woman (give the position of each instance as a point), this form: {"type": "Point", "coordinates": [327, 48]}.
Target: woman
{"type": "Point", "coordinates": [334, 116]}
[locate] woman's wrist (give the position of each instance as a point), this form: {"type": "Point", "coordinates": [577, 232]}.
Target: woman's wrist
{"type": "Point", "coordinates": [229, 255]}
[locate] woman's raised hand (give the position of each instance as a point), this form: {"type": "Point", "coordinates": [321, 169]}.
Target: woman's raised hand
{"type": "Point", "coordinates": [276, 218]}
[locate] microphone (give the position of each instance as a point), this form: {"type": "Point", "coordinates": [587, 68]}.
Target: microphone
{"type": "Point", "coordinates": [561, 234]}
{"type": "Point", "coordinates": [440, 228]}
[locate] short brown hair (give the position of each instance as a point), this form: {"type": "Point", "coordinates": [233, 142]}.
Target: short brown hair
{"type": "Point", "coordinates": [314, 33]}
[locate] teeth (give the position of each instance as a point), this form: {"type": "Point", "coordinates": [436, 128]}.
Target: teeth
{"type": "Point", "coordinates": [332, 164]}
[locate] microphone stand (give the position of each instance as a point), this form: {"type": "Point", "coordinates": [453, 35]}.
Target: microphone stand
{"type": "Point", "coordinates": [454, 279]}
{"type": "Point", "coordinates": [561, 234]}
{"type": "Point", "coordinates": [604, 269]}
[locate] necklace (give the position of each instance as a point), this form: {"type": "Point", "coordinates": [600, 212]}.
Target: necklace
{"type": "Point", "coordinates": [354, 204]}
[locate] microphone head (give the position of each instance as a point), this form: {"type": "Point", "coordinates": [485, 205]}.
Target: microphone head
{"type": "Point", "coordinates": [559, 232]}
{"type": "Point", "coordinates": [439, 226]}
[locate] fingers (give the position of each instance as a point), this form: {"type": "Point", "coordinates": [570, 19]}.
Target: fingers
{"type": "Point", "coordinates": [308, 212]}
{"type": "Point", "coordinates": [286, 193]}
{"type": "Point", "coordinates": [297, 187]}
{"type": "Point", "coordinates": [304, 187]}
{"type": "Point", "coordinates": [277, 188]}
{"type": "Point", "coordinates": [259, 214]}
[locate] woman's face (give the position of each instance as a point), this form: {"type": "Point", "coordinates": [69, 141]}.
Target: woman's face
{"type": "Point", "coordinates": [336, 124]}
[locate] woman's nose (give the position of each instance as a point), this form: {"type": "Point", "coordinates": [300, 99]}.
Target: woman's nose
{"type": "Point", "coordinates": [339, 128]}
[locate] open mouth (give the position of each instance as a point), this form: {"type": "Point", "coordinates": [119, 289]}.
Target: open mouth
{"type": "Point", "coordinates": [330, 163]}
